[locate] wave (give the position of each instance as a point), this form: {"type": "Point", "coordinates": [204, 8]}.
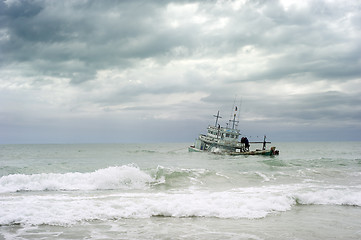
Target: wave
{"type": "Point", "coordinates": [180, 176]}
{"type": "Point", "coordinates": [111, 178]}
{"type": "Point", "coordinates": [330, 196]}
{"type": "Point", "coordinates": [119, 177]}
{"type": "Point", "coordinates": [59, 209]}
{"type": "Point", "coordinates": [67, 208]}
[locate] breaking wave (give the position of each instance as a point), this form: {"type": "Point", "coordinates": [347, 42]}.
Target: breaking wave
{"type": "Point", "coordinates": [74, 199]}
{"type": "Point", "coordinates": [121, 177]}
{"type": "Point", "coordinates": [251, 203]}
{"type": "Point", "coordinates": [59, 209]}
{"type": "Point", "coordinates": [111, 178]}
{"type": "Point", "coordinates": [177, 177]}
{"type": "Point", "coordinates": [332, 196]}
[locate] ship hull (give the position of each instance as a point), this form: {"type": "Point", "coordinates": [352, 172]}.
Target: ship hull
{"type": "Point", "coordinates": [270, 152]}
{"type": "Point", "coordinates": [193, 149]}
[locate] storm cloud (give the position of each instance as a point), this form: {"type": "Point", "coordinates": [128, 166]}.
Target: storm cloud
{"type": "Point", "coordinates": [134, 71]}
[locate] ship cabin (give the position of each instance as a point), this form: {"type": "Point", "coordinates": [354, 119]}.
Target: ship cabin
{"type": "Point", "coordinates": [225, 134]}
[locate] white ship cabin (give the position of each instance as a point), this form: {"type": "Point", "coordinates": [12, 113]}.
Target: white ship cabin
{"type": "Point", "coordinates": [226, 134]}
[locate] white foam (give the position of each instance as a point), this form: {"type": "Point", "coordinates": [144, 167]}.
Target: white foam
{"type": "Point", "coordinates": [265, 178]}
{"type": "Point", "coordinates": [216, 150]}
{"type": "Point", "coordinates": [70, 207]}
{"type": "Point", "coordinates": [122, 177]}
{"type": "Point", "coordinates": [331, 196]}
{"type": "Point", "coordinates": [222, 175]}
{"type": "Point", "coordinates": [64, 209]}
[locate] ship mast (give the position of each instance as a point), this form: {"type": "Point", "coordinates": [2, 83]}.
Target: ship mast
{"type": "Point", "coordinates": [234, 118]}
{"type": "Point", "coordinates": [217, 116]}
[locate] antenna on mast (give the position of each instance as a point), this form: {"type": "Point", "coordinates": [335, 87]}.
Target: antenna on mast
{"type": "Point", "coordinates": [234, 112]}
{"type": "Point", "coordinates": [240, 105]}
{"type": "Point", "coordinates": [234, 117]}
{"type": "Point", "coordinates": [233, 107]}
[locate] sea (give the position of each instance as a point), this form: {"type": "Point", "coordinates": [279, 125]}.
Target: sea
{"type": "Point", "coordinates": [312, 190]}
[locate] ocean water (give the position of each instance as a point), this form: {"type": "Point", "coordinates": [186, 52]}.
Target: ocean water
{"type": "Point", "coordinates": [160, 191]}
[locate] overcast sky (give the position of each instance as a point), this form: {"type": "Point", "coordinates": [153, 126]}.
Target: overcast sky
{"type": "Point", "coordinates": [157, 71]}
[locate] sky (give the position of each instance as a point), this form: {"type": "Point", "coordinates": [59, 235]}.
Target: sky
{"type": "Point", "coordinates": [157, 71]}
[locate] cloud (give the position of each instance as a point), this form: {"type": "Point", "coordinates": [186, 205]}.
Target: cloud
{"type": "Point", "coordinates": [88, 62]}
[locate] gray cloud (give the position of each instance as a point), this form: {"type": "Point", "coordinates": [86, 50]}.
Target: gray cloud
{"type": "Point", "coordinates": [291, 62]}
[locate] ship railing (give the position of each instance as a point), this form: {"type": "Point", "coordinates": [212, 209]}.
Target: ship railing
{"type": "Point", "coordinates": [208, 139]}
{"type": "Point", "coordinates": [222, 142]}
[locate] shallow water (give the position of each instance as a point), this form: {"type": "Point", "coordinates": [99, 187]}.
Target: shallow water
{"type": "Point", "coordinates": [160, 191]}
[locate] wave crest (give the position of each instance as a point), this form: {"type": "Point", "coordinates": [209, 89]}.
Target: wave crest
{"type": "Point", "coordinates": [118, 177]}
{"type": "Point", "coordinates": [333, 196]}
{"type": "Point", "coordinates": [250, 203]}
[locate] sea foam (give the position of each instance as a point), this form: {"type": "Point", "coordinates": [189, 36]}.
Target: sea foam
{"type": "Point", "coordinates": [119, 177]}
{"type": "Point", "coordinates": [65, 209]}
{"type": "Point", "coordinates": [77, 204]}
{"type": "Point", "coordinates": [331, 196]}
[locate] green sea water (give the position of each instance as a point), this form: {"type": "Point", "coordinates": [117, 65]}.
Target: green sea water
{"type": "Point", "coordinates": [161, 191]}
